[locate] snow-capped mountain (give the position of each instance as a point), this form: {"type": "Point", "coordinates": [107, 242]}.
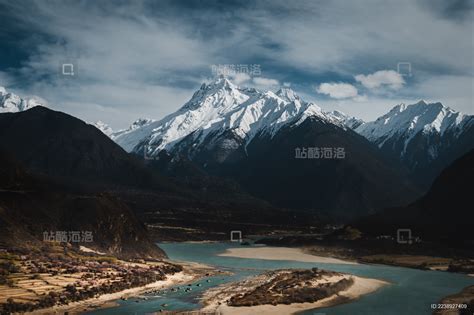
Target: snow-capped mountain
{"type": "Point", "coordinates": [422, 134]}
{"type": "Point", "coordinates": [106, 129]}
{"type": "Point", "coordinates": [12, 103]}
{"type": "Point", "coordinates": [349, 121]}
{"type": "Point", "coordinates": [222, 107]}
{"type": "Point", "coordinates": [250, 136]}
{"type": "Point", "coordinates": [404, 122]}
{"type": "Point", "coordinates": [129, 137]}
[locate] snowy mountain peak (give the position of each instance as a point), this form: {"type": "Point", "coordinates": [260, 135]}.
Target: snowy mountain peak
{"type": "Point", "coordinates": [219, 92]}
{"type": "Point", "coordinates": [339, 114]}
{"type": "Point", "coordinates": [399, 108]}
{"type": "Point", "coordinates": [127, 135]}
{"type": "Point", "coordinates": [222, 82]}
{"type": "Point", "coordinates": [140, 122]}
{"type": "Point", "coordinates": [221, 107]}
{"type": "Point", "coordinates": [12, 103]}
{"type": "Point", "coordinates": [103, 127]}
{"type": "Point", "coordinates": [346, 120]}
{"type": "Point", "coordinates": [287, 94]}
{"type": "Point", "coordinates": [405, 122]}
{"type": "Point", "coordinates": [219, 83]}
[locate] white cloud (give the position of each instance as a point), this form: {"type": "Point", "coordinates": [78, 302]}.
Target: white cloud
{"type": "Point", "coordinates": [361, 98]}
{"type": "Point", "coordinates": [240, 78]}
{"type": "Point", "coordinates": [337, 90]}
{"type": "Point", "coordinates": [389, 78]}
{"type": "Point", "coordinates": [346, 36]}
{"type": "Point", "coordinates": [123, 63]}
{"type": "Point", "coordinates": [265, 83]}
{"type": "Point", "coordinates": [132, 60]}
{"type": "Point", "coordinates": [243, 78]}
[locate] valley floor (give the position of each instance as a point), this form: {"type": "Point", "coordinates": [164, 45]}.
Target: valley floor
{"type": "Point", "coordinates": [56, 282]}
{"type": "Point", "coordinates": [107, 300]}
{"type": "Point", "coordinates": [76, 283]}
{"type": "Point", "coordinates": [190, 273]}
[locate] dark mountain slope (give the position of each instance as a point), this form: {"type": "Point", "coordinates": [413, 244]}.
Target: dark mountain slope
{"type": "Point", "coordinates": [444, 213]}
{"type": "Point", "coordinates": [360, 183]}
{"type": "Point", "coordinates": [61, 146]}
{"type": "Point", "coordinates": [250, 136]}
{"type": "Point", "coordinates": [79, 159]}
{"type": "Point", "coordinates": [29, 207]}
{"type": "Point", "coordinates": [426, 138]}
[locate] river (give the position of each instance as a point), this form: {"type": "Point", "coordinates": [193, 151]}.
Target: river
{"type": "Point", "coordinates": [411, 291]}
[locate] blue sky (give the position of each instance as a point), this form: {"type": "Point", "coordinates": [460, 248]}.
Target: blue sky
{"type": "Point", "coordinates": [146, 58]}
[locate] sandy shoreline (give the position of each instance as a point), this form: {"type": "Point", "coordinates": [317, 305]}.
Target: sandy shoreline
{"type": "Point", "coordinates": [107, 300]}
{"type": "Point", "coordinates": [360, 287]}
{"type": "Point", "coordinates": [281, 253]}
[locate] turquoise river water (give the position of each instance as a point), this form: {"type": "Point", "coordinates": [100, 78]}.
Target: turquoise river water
{"type": "Point", "coordinates": [411, 291]}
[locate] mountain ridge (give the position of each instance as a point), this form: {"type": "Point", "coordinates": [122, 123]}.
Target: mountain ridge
{"type": "Point", "coordinates": [221, 106]}
{"type": "Point", "coordinates": [443, 213]}
{"type": "Point", "coordinates": [219, 128]}
{"type": "Point", "coordinates": [78, 159]}
{"type": "Point", "coordinates": [425, 137]}
{"type": "Point", "coordinates": [414, 118]}
{"type": "Point", "coordinates": [12, 103]}
{"type": "Point", "coordinates": [31, 205]}
{"type": "Point", "coordinates": [61, 146]}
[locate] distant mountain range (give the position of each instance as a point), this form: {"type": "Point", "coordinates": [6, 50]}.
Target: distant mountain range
{"type": "Point", "coordinates": [424, 137]}
{"type": "Point", "coordinates": [91, 183]}
{"type": "Point", "coordinates": [219, 107]}
{"type": "Point", "coordinates": [253, 138]}
{"type": "Point", "coordinates": [12, 103]}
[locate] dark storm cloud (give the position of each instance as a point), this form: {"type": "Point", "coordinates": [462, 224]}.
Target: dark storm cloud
{"type": "Point", "coordinates": [460, 10]}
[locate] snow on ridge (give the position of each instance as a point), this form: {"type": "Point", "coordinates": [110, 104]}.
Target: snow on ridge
{"type": "Point", "coordinates": [346, 120]}
{"type": "Point", "coordinates": [287, 94]}
{"type": "Point", "coordinates": [130, 136]}
{"type": "Point", "coordinates": [406, 121]}
{"type": "Point", "coordinates": [106, 129]}
{"type": "Point", "coordinates": [221, 106]}
{"type": "Point", "coordinates": [12, 103]}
